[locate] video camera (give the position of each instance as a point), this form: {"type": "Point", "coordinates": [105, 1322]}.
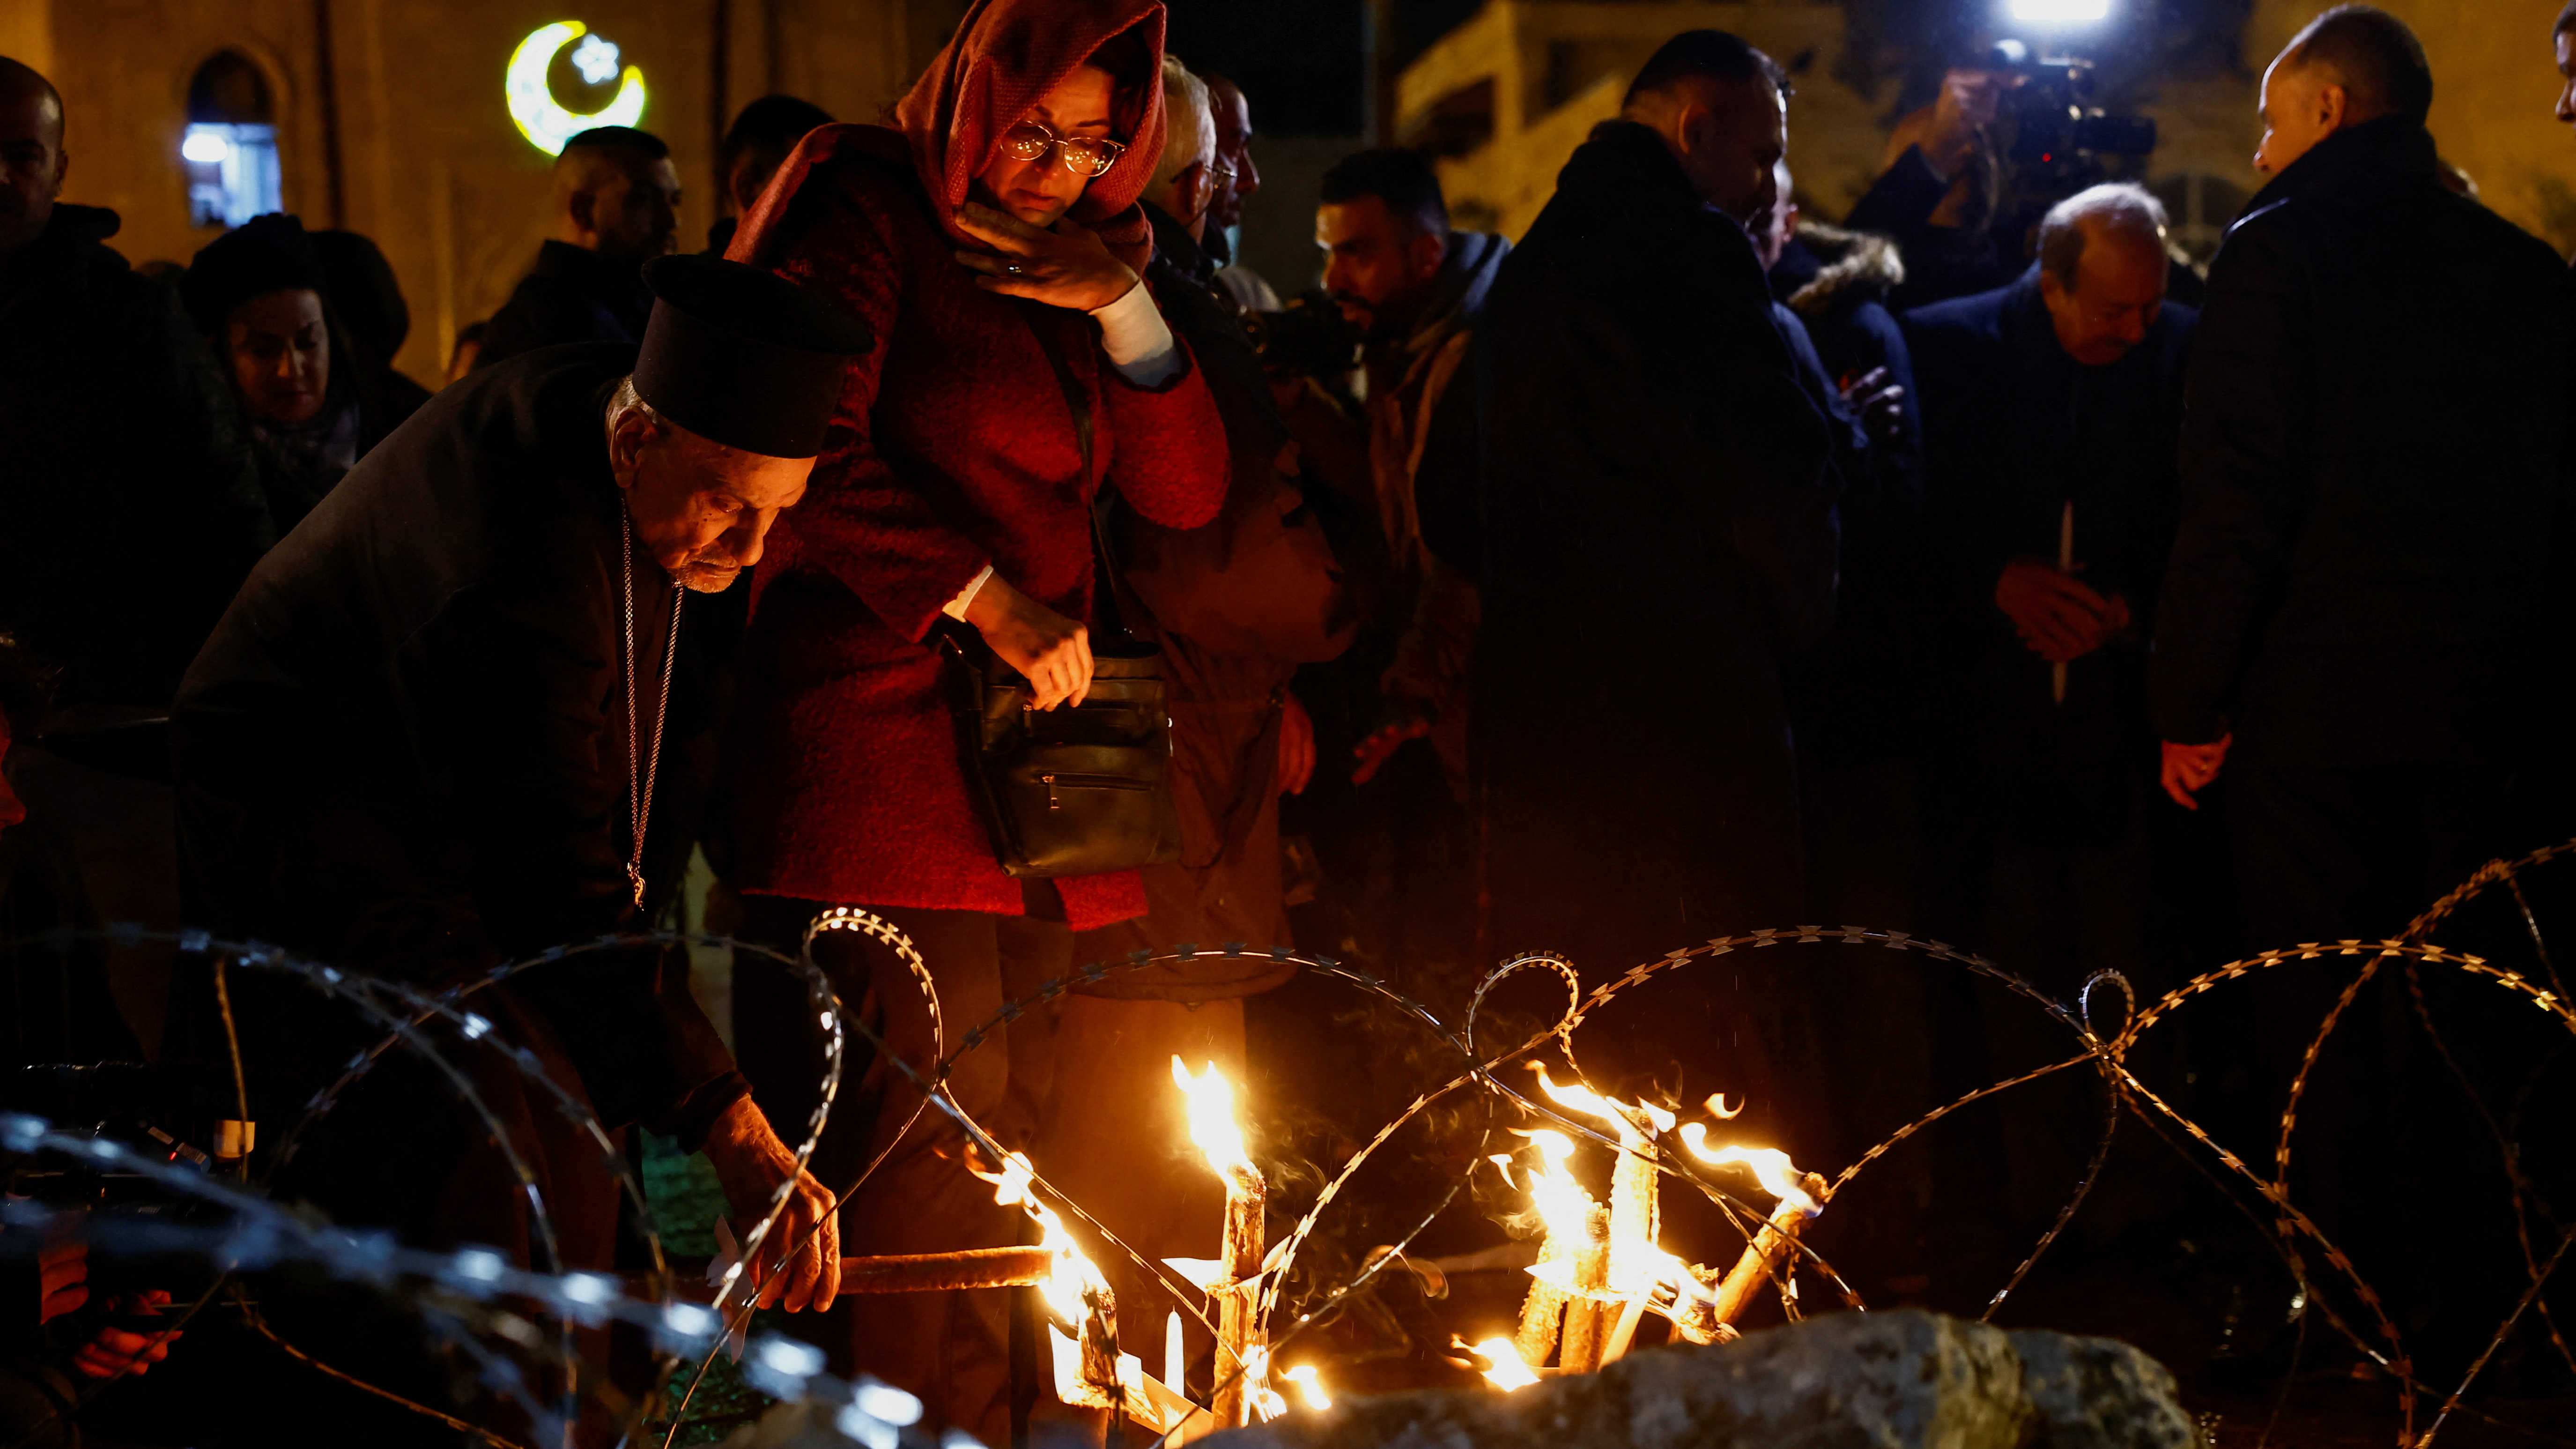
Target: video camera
{"type": "Point", "coordinates": [2060, 136]}
{"type": "Point", "coordinates": [1309, 336]}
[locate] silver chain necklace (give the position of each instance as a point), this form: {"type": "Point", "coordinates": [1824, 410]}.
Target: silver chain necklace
{"type": "Point", "coordinates": [639, 803]}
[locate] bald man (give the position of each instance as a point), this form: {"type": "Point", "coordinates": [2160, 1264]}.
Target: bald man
{"type": "Point", "coordinates": [2361, 600]}
{"type": "Point", "coordinates": [616, 207]}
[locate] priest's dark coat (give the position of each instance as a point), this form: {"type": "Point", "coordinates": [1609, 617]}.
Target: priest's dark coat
{"type": "Point", "coordinates": [404, 751]}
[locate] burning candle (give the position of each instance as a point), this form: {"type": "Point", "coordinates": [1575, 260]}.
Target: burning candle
{"type": "Point", "coordinates": [1572, 1252]}
{"type": "Point", "coordinates": [1772, 1244]}
{"type": "Point", "coordinates": [1090, 1372]}
{"type": "Point", "coordinates": [1220, 1140]}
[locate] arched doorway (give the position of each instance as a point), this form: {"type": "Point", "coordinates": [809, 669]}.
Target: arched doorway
{"type": "Point", "coordinates": [230, 147]}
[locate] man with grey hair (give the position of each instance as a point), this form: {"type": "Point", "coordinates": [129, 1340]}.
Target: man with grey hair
{"type": "Point", "coordinates": [2051, 408]}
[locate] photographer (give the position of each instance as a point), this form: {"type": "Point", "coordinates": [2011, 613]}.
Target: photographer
{"type": "Point", "coordinates": [1939, 185]}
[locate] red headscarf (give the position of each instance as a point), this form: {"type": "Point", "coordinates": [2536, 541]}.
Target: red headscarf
{"type": "Point", "coordinates": [1005, 55]}
{"type": "Point", "coordinates": [1008, 53]}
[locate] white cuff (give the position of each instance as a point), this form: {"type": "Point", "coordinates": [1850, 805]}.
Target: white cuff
{"type": "Point", "coordinates": [956, 608]}
{"type": "Point", "coordinates": [1138, 340]}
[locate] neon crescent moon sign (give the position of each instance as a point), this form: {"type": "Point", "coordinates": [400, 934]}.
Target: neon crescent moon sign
{"type": "Point", "coordinates": [541, 118]}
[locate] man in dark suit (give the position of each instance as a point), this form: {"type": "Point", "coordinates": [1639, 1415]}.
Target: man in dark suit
{"type": "Point", "coordinates": [2373, 479]}
{"type": "Point", "coordinates": [2360, 629]}
{"type": "Point", "coordinates": [1659, 530]}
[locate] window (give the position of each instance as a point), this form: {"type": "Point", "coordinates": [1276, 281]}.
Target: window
{"type": "Point", "coordinates": [229, 150]}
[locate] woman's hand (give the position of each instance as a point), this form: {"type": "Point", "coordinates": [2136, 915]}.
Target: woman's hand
{"type": "Point", "coordinates": [1052, 651]}
{"type": "Point", "coordinates": [750, 1163]}
{"type": "Point", "coordinates": [1068, 266]}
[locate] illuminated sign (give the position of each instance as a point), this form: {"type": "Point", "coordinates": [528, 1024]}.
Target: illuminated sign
{"type": "Point", "coordinates": [543, 119]}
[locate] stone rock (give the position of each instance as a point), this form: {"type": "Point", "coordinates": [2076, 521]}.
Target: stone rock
{"type": "Point", "coordinates": [1895, 1380]}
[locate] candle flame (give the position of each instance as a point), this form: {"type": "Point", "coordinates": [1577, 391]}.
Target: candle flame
{"type": "Point", "coordinates": [1507, 1372]}
{"type": "Point", "coordinates": [1309, 1388]}
{"type": "Point", "coordinates": [1213, 1129]}
{"type": "Point", "coordinates": [1624, 1116]}
{"type": "Point", "coordinates": [1561, 1201]}
{"type": "Point", "coordinates": [1770, 1166]}
{"type": "Point", "coordinates": [1070, 1282]}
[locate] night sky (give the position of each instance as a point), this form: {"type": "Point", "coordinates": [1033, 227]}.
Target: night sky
{"type": "Point", "coordinates": [1299, 60]}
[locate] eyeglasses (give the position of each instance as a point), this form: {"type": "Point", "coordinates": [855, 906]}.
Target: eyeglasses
{"type": "Point", "coordinates": [1088, 155]}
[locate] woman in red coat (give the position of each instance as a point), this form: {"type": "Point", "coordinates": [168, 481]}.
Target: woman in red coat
{"type": "Point", "coordinates": [996, 227]}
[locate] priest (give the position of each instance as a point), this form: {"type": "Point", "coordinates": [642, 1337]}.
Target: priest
{"type": "Point", "coordinates": [439, 731]}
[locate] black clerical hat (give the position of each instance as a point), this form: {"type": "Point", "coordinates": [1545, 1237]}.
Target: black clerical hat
{"type": "Point", "coordinates": [744, 357]}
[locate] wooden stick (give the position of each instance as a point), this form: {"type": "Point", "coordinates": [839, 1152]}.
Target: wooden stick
{"type": "Point", "coordinates": [1763, 1256]}
{"type": "Point", "coordinates": [1634, 1186]}
{"type": "Point", "coordinates": [936, 1272]}
{"type": "Point", "coordinates": [1587, 1319]}
{"type": "Point", "coordinates": [1238, 1331]}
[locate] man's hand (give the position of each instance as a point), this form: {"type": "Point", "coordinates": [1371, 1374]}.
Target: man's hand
{"type": "Point", "coordinates": [2190, 768]}
{"type": "Point", "coordinates": [2059, 618]}
{"type": "Point", "coordinates": [1399, 725]}
{"type": "Point", "coordinates": [1052, 651]}
{"type": "Point", "coordinates": [116, 1352]}
{"type": "Point", "coordinates": [750, 1163]}
{"type": "Point", "coordinates": [1969, 101]}
{"type": "Point", "coordinates": [1296, 745]}
{"type": "Point", "coordinates": [1880, 401]}
{"type": "Point", "coordinates": [1068, 266]}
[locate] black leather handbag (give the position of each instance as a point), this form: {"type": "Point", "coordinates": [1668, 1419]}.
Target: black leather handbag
{"type": "Point", "coordinates": [1074, 790]}
{"type": "Point", "coordinates": [1078, 789]}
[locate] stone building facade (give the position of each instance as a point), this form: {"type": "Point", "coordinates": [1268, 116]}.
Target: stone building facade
{"type": "Point", "coordinates": [390, 119]}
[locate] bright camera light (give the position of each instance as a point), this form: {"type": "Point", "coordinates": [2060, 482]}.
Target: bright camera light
{"type": "Point", "coordinates": [2060, 12]}
{"type": "Point", "coordinates": [205, 148]}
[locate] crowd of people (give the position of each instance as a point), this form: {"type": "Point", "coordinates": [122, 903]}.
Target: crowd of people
{"type": "Point", "coordinates": [1683, 568]}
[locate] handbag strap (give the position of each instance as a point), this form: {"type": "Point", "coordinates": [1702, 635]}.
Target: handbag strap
{"type": "Point", "coordinates": [1108, 598]}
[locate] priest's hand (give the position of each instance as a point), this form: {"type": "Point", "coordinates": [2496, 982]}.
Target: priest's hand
{"type": "Point", "coordinates": [1053, 651]}
{"type": "Point", "coordinates": [1066, 266]}
{"type": "Point", "coordinates": [2054, 613]}
{"type": "Point", "coordinates": [799, 1263]}
{"type": "Point", "coordinates": [2188, 769]}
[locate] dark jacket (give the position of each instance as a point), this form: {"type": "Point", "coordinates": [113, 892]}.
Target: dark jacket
{"type": "Point", "coordinates": [405, 747]}
{"type": "Point", "coordinates": [2374, 471]}
{"type": "Point", "coordinates": [1839, 283]}
{"type": "Point", "coordinates": [2015, 428]}
{"type": "Point", "coordinates": [574, 295]}
{"type": "Point", "coordinates": [1659, 529]}
{"type": "Point", "coordinates": [1236, 605]}
{"type": "Point", "coordinates": [132, 503]}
